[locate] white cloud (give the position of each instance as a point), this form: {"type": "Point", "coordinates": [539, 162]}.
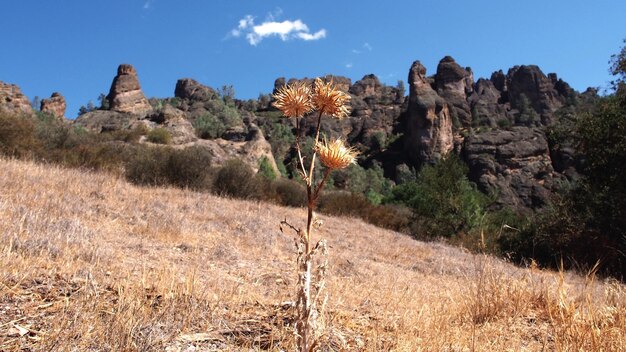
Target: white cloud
{"type": "Point", "coordinates": [147, 4]}
{"type": "Point", "coordinates": [285, 30]}
{"type": "Point", "coordinates": [349, 65]}
{"type": "Point", "coordinates": [367, 46]}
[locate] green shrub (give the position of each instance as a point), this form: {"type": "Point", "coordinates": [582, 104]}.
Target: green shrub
{"type": "Point", "coordinates": [266, 170]}
{"type": "Point", "coordinates": [209, 127]}
{"type": "Point", "coordinates": [443, 199]}
{"type": "Point", "coordinates": [159, 136]}
{"type": "Point", "coordinates": [219, 118]}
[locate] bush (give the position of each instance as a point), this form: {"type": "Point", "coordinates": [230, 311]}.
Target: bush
{"type": "Point", "coordinates": [266, 170]}
{"type": "Point", "coordinates": [290, 193]}
{"type": "Point", "coordinates": [443, 199]}
{"type": "Point", "coordinates": [190, 167]}
{"type": "Point", "coordinates": [219, 118]}
{"type": "Point", "coordinates": [237, 179]}
{"type": "Point", "coordinates": [148, 166]}
{"type": "Point", "coordinates": [159, 136]}
{"type": "Point", "coordinates": [17, 135]}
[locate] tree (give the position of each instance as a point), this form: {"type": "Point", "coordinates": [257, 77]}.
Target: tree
{"type": "Point", "coordinates": [104, 102]}
{"type": "Point", "coordinates": [36, 103]}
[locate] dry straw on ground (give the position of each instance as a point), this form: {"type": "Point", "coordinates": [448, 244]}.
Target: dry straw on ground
{"type": "Point", "coordinates": [89, 262]}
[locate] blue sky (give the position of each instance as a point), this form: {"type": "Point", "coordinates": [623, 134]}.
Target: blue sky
{"type": "Point", "coordinates": [75, 46]}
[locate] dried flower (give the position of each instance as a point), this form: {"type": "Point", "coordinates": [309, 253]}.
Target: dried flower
{"type": "Point", "coordinates": [335, 155]}
{"type": "Point", "coordinates": [329, 100]}
{"type": "Point", "coordinates": [294, 100]}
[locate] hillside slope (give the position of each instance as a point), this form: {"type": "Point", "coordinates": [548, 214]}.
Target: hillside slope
{"type": "Point", "coordinates": [90, 262]}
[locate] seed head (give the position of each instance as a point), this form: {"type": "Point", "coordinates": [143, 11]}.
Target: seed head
{"type": "Point", "coordinates": [335, 155]}
{"type": "Point", "coordinates": [329, 100]}
{"type": "Point", "coordinates": [293, 100]}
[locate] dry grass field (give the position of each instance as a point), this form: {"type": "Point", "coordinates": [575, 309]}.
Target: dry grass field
{"type": "Point", "coordinates": [89, 262]}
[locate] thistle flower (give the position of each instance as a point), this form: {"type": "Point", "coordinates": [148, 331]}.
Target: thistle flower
{"type": "Point", "coordinates": [293, 100]}
{"type": "Point", "coordinates": [329, 100]}
{"type": "Point", "coordinates": [335, 155]}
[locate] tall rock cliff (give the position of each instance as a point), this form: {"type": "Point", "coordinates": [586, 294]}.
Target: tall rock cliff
{"type": "Point", "coordinates": [428, 127]}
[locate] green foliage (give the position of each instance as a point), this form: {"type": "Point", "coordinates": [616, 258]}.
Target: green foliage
{"type": "Point", "coordinates": [527, 114]}
{"type": "Point", "coordinates": [443, 199]}
{"type": "Point", "coordinates": [159, 135]}
{"type": "Point", "coordinates": [369, 182]}
{"type": "Point", "coordinates": [219, 118]}
{"type": "Point", "coordinates": [266, 170]}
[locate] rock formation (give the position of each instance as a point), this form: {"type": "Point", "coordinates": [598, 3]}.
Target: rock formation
{"type": "Point", "coordinates": [190, 89]}
{"type": "Point", "coordinates": [55, 105]}
{"type": "Point", "coordinates": [455, 84]}
{"type": "Point", "coordinates": [428, 130]}
{"type": "Point", "coordinates": [13, 100]}
{"type": "Point", "coordinates": [528, 82]}
{"type": "Point", "coordinates": [514, 164]}
{"type": "Point", "coordinates": [125, 94]}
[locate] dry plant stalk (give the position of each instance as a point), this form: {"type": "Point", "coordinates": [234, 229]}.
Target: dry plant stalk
{"type": "Point", "coordinates": [296, 101]}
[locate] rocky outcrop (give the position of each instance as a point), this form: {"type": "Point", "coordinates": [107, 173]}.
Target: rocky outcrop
{"type": "Point", "coordinates": [455, 84]}
{"type": "Point", "coordinates": [189, 89]}
{"type": "Point", "coordinates": [55, 105]}
{"type": "Point", "coordinates": [175, 122]}
{"type": "Point", "coordinates": [13, 100]}
{"type": "Point", "coordinates": [99, 121]}
{"type": "Point", "coordinates": [514, 164]}
{"type": "Point", "coordinates": [125, 94]}
{"type": "Point", "coordinates": [428, 129]}
{"type": "Point", "coordinates": [528, 85]}
{"type": "Point", "coordinates": [254, 148]}
{"type": "Point", "coordinates": [486, 106]}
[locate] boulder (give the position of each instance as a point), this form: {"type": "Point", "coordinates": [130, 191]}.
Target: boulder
{"type": "Point", "coordinates": [428, 129]}
{"type": "Point", "coordinates": [187, 88]}
{"type": "Point", "coordinates": [125, 95]}
{"type": "Point", "coordinates": [13, 100]}
{"type": "Point", "coordinates": [55, 105]}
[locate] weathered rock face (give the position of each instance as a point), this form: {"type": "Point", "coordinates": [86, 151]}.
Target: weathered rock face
{"type": "Point", "coordinates": [125, 94]}
{"type": "Point", "coordinates": [190, 89]}
{"type": "Point", "coordinates": [428, 130]}
{"type": "Point", "coordinates": [528, 81]}
{"type": "Point", "coordinates": [13, 100]}
{"type": "Point", "coordinates": [55, 105]}
{"type": "Point", "coordinates": [455, 84]}
{"type": "Point", "coordinates": [486, 107]}
{"type": "Point", "coordinates": [515, 164]}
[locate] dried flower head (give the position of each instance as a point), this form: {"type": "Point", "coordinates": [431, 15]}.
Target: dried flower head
{"type": "Point", "coordinates": [294, 100]}
{"type": "Point", "coordinates": [329, 100]}
{"type": "Point", "coordinates": [335, 155]}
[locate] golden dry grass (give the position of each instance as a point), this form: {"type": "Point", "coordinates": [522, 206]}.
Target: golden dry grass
{"type": "Point", "coordinates": [89, 262]}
